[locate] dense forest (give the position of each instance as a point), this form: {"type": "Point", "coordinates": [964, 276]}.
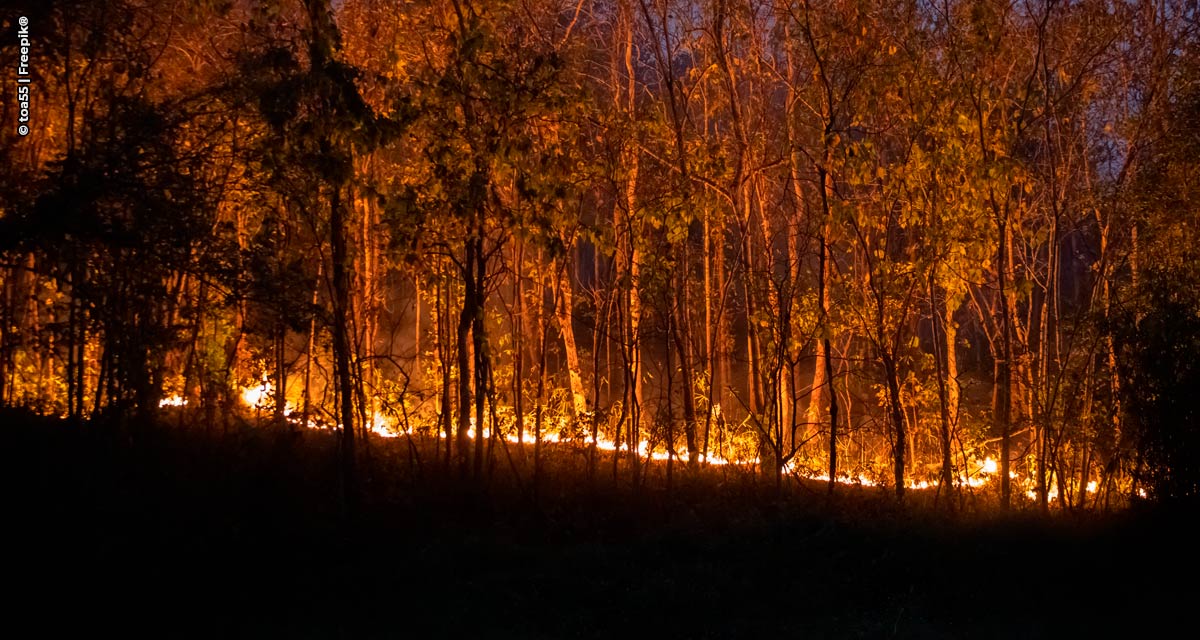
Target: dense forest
{"type": "Point", "coordinates": [937, 246]}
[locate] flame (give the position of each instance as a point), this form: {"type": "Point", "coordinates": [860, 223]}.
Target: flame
{"type": "Point", "coordinates": [843, 478]}
{"type": "Point", "coordinates": [256, 396]}
{"type": "Point", "coordinates": [975, 482]}
{"type": "Point", "coordinates": [173, 401]}
{"type": "Point", "coordinates": [385, 427]}
{"type": "Point", "coordinates": [382, 426]}
{"type": "Point", "coordinates": [1052, 491]}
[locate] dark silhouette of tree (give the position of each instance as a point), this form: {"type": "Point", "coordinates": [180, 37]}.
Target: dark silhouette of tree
{"type": "Point", "coordinates": [1158, 331]}
{"type": "Point", "coordinates": [308, 97]}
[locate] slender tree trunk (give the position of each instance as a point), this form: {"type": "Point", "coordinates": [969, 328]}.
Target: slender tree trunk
{"type": "Point", "coordinates": [635, 362]}
{"type": "Point", "coordinates": [280, 373]}
{"type": "Point", "coordinates": [479, 347]}
{"type": "Point", "coordinates": [946, 485]}
{"type": "Point", "coordinates": [754, 372]}
{"type": "Point", "coordinates": [603, 308]}
{"type": "Point", "coordinates": [721, 331]}
{"type": "Point", "coordinates": [364, 320]}
{"type": "Point", "coordinates": [823, 305]}
{"type": "Point", "coordinates": [308, 358]}
{"type": "Point", "coordinates": [950, 331]}
{"type": "Point", "coordinates": [1110, 350]}
{"type": "Point", "coordinates": [465, 320]}
{"type": "Point", "coordinates": [543, 332]}
{"type": "Point", "coordinates": [896, 411]}
{"type": "Point", "coordinates": [1003, 395]}
{"type": "Point", "coordinates": [563, 311]}
{"type": "Point", "coordinates": [669, 437]}
{"type": "Point", "coordinates": [633, 334]}
{"type": "Point", "coordinates": [518, 338]}
{"type": "Point", "coordinates": [419, 379]}
{"type": "Point", "coordinates": [446, 415]}
{"type": "Point", "coordinates": [341, 345]}
{"type": "Point", "coordinates": [709, 339]}
{"type": "Point", "coordinates": [683, 343]}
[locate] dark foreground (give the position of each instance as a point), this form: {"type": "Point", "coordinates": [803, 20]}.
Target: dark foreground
{"type": "Point", "coordinates": [171, 534]}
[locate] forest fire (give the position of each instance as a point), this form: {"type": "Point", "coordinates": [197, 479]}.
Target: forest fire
{"type": "Point", "coordinates": [726, 254]}
{"type": "Point", "coordinates": [258, 397]}
{"type": "Point", "coordinates": [603, 309]}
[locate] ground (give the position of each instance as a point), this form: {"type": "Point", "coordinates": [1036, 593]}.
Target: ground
{"type": "Point", "coordinates": [171, 533]}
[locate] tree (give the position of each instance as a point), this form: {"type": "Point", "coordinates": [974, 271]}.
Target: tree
{"type": "Point", "coordinates": [308, 97]}
{"type": "Point", "coordinates": [1158, 333]}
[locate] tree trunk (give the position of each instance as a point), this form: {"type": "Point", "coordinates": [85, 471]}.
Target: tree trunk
{"type": "Point", "coordinates": [518, 338]}
{"type": "Point", "coordinates": [1003, 395]}
{"type": "Point", "coordinates": [308, 360]}
{"type": "Point", "coordinates": [543, 333]}
{"type": "Point", "coordinates": [563, 311]}
{"type": "Point", "coordinates": [823, 306]}
{"type": "Point", "coordinates": [896, 412]}
{"type": "Point", "coordinates": [683, 343]}
{"type": "Point", "coordinates": [479, 347]}
{"type": "Point", "coordinates": [341, 345]}
{"type": "Point", "coordinates": [443, 335]}
{"type": "Point", "coordinates": [946, 485]}
{"type": "Point", "coordinates": [280, 373]}
{"type": "Point", "coordinates": [709, 339]}
{"type": "Point", "coordinates": [465, 321]}
{"type": "Point", "coordinates": [634, 306]}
